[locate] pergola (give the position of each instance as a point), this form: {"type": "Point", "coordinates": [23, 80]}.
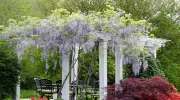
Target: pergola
{"type": "Point", "coordinates": [62, 32]}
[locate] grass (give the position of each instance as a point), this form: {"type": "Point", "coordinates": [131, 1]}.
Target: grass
{"type": "Point", "coordinates": [29, 94]}
{"type": "Point", "coordinates": [32, 93]}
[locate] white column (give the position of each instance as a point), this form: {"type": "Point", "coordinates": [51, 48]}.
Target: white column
{"type": "Point", "coordinates": [54, 96]}
{"type": "Point", "coordinates": [119, 66]}
{"type": "Point", "coordinates": [102, 69]}
{"type": "Point", "coordinates": [18, 89]}
{"type": "Point", "coordinates": [74, 70]}
{"type": "Point", "coordinates": [155, 55]}
{"type": "Point", "coordinates": [65, 70]}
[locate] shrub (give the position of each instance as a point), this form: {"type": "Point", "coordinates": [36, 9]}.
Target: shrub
{"type": "Point", "coordinates": [155, 88]}
{"type": "Point", "coordinates": [9, 71]}
{"type": "Point", "coordinates": [154, 69]}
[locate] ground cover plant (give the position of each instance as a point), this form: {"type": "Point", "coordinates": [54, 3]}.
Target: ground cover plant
{"type": "Point", "coordinates": [155, 88]}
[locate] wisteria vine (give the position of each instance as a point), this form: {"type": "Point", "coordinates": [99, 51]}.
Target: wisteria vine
{"type": "Point", "coordinates": [62, 30]}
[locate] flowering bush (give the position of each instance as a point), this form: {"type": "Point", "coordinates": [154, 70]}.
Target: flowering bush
{"type": "Point", "coordinates": [39, 98]}
{"type": "Point", "coordinates": [155, 88]}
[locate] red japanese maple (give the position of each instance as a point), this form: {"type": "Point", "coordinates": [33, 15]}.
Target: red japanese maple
{"type": "Point", "coordinates": [155, 88]}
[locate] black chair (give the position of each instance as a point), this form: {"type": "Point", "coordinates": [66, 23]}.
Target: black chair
{"type": "Point", "coordinates": [92, 91]}
{"type": "Point", "coordinates": [45, 87]}
{"type": "Point", "coordinates": [95, 90]}
{"type": "Point", "coordinates": [71, 91]}
{"type": "Point", "coordinates": [77, 84]}
{"type": "Point", "coordinates": [38, 87]}
{"type": "Point", "coordinates": [59, 84]}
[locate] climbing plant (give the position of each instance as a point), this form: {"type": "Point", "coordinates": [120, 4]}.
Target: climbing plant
{"type": "Point", "coordinates": [154, 69]}
{"type": "Point", "coordinates": [60, 31]}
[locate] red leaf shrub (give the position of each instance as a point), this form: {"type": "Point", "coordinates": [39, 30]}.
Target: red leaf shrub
{"type": "Point", "coordinates": [39, 98]}
{"type": "Point", "coordinates": [155, 88]}
{"type": "Point", "coordinates": [175, 94]}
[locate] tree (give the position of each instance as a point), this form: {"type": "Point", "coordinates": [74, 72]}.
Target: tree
{"type": "Point", "coordinates": [44, 7]}
{"type": "Point", "coordinates": [148, 9]}
{"type": "Point", "coordinates": [9, 69]}
{"type": "Point", "coordinates": [169, 56]}
{"type": "Point", "coordinates": [15, 9]}
{"type": "Point", "coordinates": [164, 16]}
{"type": "Point", "coordinates": [83, 5]}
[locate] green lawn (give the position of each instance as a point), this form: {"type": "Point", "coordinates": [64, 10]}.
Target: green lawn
{"type": "Point", "coordinates": [29, 94]}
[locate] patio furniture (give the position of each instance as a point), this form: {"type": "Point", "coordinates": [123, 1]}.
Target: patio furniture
{"type": "Point", "coordinates": [45, 87]}
{"type": "Point", "coordinates": [71, 91]}
{"type": "Point", "coordinates": [59, 84]}
{"type": "Point", "coordinates": [77, 84]}
{"type": "Point", "coordinates": [38, 88]}
{"type": "Point", "coordinates": [93, 90]}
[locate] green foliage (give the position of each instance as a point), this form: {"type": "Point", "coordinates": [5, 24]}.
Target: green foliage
{"type": "Point", "coordinates": [164, 18]}
{"type": "Point", "coordinates": [110, 68]}
{"type": "Point", "coordinates": [169, 56]}
{"type": "Point", "coordinates": [138, 8]}
{"type": "Point", "coordinates": [154, 69]}
{"type": "Point", "coordinates": [44, 7]}
{"type": "Point", "coordinates": [1, 28]}
{"type": "Point", "coordinates": [90, 62]}
{"type": "Point", "coordinates": [88, 65]}
{"type": "Point", "coordinates": [34, 66]}
{"type": "Point", "coordinates": [147, 9]}
{"type": "Point", "coordinates": [60, 13]}
{"type": "Point", "coordinates": [83, 5]}
{"type": "Point", "coordinates": [9, 71]}
{"type": "Point", "coordinates": [14, 9]}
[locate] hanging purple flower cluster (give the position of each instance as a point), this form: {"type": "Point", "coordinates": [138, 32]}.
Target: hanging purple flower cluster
{"type": "Point", "coordinates": [59, 33]}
